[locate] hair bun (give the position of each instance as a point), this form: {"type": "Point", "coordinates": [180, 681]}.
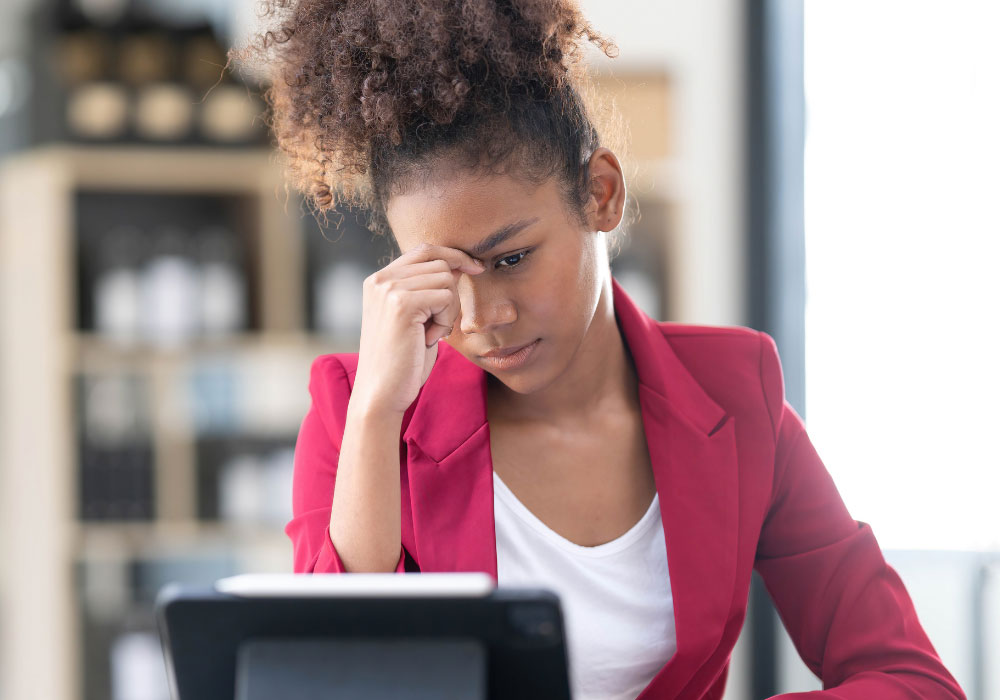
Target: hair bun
{"type": "Point", "coordinates": [346, 76]}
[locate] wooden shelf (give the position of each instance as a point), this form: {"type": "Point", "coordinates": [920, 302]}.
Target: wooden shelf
{"type": "Point", "coordinates": [138, 168]}
{"type": "Point", "coordinates": [126, 539]}
{"type": "Point", "coordinates": [95, 353]}
{"type": "Point", "coordinates": [43, 353]}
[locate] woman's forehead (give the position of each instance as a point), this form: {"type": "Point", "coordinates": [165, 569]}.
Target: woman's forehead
{"type": "Point", "coordinates": [463, 212]}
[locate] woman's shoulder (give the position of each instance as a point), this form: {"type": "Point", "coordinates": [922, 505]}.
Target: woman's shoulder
{"type": "Point", "coordinates": [332, 375]}
{"type": "Point", "coordinates": [737, 366]}
{"type": "Point", "coordinates": [337, 363]}
{"type": "Point", "coordinates": [707, 345]}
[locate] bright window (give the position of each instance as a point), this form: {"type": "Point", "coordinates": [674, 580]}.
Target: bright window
{"type": "Point", "coordinates": [902, 201]}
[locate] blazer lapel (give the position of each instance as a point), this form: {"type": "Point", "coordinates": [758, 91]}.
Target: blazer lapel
{"type": "Point", "coordinates": [449, 469]}
{"type": "Point", "coordinates": [692, 449]}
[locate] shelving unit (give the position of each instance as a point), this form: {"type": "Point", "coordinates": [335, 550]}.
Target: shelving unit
{"type": "Point", "coordinates": [75, 582]}
{"type": "Point", "coordinates": [62, 569]}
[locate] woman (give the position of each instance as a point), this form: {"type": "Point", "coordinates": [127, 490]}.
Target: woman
{"type": "Point", "coordinates": [557, 435]}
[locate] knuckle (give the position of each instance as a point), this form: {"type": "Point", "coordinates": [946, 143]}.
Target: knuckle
{"type": "Point", "coordinates": [394, 298]}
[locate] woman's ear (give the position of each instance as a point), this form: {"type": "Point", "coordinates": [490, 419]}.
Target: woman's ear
{"type": "Point", "coordinates": [607, 190]}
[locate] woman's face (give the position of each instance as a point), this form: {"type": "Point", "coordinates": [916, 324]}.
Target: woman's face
{"type": "Point", "coordinates": [543, 282]}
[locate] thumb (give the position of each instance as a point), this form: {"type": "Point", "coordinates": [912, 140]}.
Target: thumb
{"type": "Point", "coordinates": [434, 332]}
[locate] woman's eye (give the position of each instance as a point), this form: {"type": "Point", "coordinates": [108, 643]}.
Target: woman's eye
{"type": "Point", "coordinates": [512, 260]}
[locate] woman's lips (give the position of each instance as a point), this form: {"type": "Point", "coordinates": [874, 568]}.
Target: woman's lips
{"type": "Point", "coordinates": [513, 360]}
{"type": "Point", "coordinates": [502, 352]}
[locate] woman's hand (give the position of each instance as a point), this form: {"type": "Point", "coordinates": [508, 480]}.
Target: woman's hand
{"type": "Point", "coordinates": [408, 306]}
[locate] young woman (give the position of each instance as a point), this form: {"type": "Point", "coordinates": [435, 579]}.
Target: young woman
{"type": "Point", "coordinates": [511, 410]}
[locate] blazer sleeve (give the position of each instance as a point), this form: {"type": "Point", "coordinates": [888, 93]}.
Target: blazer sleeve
{"type": "Point", "coordinates": [317, 450]}
{"type": "Point", "coordinates": [846, 610]}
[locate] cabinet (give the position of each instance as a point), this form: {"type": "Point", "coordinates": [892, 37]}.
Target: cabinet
{"type": "Point", "coordinates": [129, 458]}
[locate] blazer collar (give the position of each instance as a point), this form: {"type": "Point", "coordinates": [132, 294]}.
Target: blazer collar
{"type": "Point", "coordinates": [692, 449]}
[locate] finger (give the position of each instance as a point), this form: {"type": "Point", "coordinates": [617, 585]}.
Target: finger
{"type": "Point", "coordinates": [436, 307]}
{"type": "Point", "coordinates": [456, 258]}
{"type": "Point", "coordinates": [444, 322]}
{"type": "Point", "coordinates": [429, 305]}
{"type": "Point", "coordinates": [433, 280]}
{"type": "Point", "coordinates": [421, 268]}
{"type": "Point", "coordinates": [436, 332]}
{"type": "Point", "coordinates": [440, 306]}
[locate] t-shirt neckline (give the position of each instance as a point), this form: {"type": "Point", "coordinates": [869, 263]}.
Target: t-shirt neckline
{"type": "Point", "coordinates": [620, 543]}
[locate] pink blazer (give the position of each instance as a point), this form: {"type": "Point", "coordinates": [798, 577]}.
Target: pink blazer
{"type": "Point", "coordinates": [741, 488]}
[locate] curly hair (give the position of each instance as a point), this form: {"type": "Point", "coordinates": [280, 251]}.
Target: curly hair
{"type": "Point", "coordinates": [366, 97]}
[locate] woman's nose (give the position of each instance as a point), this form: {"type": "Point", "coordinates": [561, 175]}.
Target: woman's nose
{"type": "Point", "coordinates": [485, 306]}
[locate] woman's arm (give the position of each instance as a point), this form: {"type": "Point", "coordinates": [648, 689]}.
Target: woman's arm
{"type": "Point", "coordinates": [409, 305]}
{"type": "Point", "coordinates": [370, 477]}
{"type": "Point", "coordinates": [846, 610]}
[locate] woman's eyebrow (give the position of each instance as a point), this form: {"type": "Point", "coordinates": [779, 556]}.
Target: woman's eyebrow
{"type": "Point", "coordinates": [499, 236]}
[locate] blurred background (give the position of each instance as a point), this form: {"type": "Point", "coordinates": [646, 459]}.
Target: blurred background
{"type": "Point", "coordinates": [821, 171]}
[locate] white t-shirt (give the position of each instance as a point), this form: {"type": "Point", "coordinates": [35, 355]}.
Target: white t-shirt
{"type": "Point", "coordinates": [616, 599]}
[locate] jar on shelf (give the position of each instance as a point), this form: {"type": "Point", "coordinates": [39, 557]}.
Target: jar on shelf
{"type": "Point", "coordinates": [98, 110]}
{"type": "Point", "coordinates": [163, 111]}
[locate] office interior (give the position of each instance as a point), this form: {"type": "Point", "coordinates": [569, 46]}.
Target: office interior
{"type": "Point", "coordinates": [819, 171]}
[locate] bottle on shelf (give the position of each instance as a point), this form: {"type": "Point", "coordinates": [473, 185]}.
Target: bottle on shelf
{"type": "Point", "coordinates": [222, 283]}
{"type": "Point", "coordinates": [240, 489]}
{"type": "Point", "coordinates": [255, 487]}
{"type": "Point", "coordinates": [116, 288]}
{"type": "Point", "coordinates": [337, 299]}
{"type": "Point", "coordinates": [170, 290]}
{"type": "Point", "coordinates": [278, 468]}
